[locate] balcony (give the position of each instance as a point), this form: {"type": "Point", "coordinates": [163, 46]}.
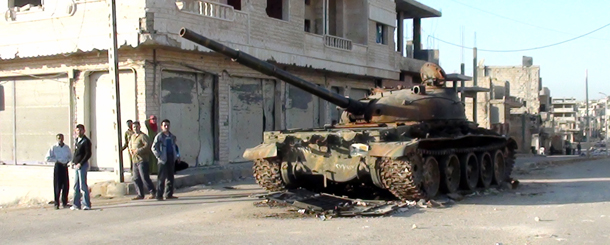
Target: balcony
{"type": "Point", "coordinates": [337, 42]}
{"type": "Point", "coordinates": [564, 110]}
{"type": "Point", "coordinates": [208, 9]}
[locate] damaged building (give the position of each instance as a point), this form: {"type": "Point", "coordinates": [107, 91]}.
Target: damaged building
{"type": "Point", "coordinates": [528, 103]}
{"type": "Point", "coordinates": [57, 76]}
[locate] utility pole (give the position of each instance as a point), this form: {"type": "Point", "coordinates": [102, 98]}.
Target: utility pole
{"type": "Point", "coordinates": [587, 105]}
{"type": "Point", "coordinates": [113, 70]}
{"type": "Point", "coordinates": [475, 100]}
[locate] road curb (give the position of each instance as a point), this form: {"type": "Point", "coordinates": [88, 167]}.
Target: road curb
{"type": "Point", "coordinates": [192, 177]}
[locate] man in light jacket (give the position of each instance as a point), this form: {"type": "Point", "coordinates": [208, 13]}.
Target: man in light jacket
{"type": "Point", "coordinates": [166, 151]}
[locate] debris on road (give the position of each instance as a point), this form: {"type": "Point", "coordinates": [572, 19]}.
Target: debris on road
{"type": "Point", "coordinates": [325, 206]}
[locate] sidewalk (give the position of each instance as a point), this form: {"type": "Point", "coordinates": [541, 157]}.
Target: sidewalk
{"type": "Point", "coordinates": [26, 185]}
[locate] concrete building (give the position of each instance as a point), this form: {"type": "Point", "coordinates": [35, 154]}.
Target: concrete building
{"type": "Point", "coordinates": [565, 113]}
{"type": "Point", "coordinates": [530, 108]}
{"type": "Point", "coordinates": [57, 76]}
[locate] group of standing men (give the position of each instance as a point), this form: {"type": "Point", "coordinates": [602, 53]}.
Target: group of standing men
{"type": "Point", "coordinates": [165, 154]}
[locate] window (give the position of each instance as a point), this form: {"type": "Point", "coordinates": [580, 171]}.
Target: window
{"type": "Point", "coordinates": [23, 4]}
{"type": "Point", "coordinates": [235, 3]}
{"type": "Point", "coordinates": [277, 9]}
{"type": "Point", "coordinates": [381, 34]}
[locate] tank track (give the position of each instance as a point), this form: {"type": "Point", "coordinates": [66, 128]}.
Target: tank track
{"type": "Point", "coordinates": [398, 177]}
{"type": "Point", "coordinates": [268, 175]}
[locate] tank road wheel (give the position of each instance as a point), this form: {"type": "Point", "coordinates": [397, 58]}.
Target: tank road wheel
{"type": "Point", "coordinates": [267, 174]}
{"type": "Point", "coordinates": [450, 173]}
{"type": "Point", "coordinates": [402, 177]}
{"type": "Point", "coordinates": [432, 177]}
{"type": "Point", "coordinates": [487, 170]}
{"type": "Point", "coordinates": [499, 167]}
{"type": "Point", "coordinates": [470, 171]}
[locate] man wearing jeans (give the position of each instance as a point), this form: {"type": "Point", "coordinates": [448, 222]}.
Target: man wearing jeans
{"type": "Point", "coordinates": [165, 150]}
{"type": "Point", "coordinates": [138, 149]}
{"type": "Point", "coordinates": [80, 162]}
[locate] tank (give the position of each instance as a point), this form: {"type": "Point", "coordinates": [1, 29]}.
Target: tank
{"type": "Point", "coordinates": [415, 143]}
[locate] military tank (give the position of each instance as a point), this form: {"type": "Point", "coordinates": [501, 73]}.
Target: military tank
{"type": "Point", "coordinates": [414, 143]}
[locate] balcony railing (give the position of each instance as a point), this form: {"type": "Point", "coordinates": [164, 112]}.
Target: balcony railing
{"type": "Point", "coordinates": [209, 9]}
{"type": "Point", "coordinates": [337, 42]}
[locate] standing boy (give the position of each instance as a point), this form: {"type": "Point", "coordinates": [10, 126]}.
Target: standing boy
{"type": "Point", "coordinates": [165, 150]}
{"type": "Point", "coordinates": [139, 151]}
{"type": "Point", "coordinates": [60, 154]}
{"type": "Point", "coordinates": [82, 153]}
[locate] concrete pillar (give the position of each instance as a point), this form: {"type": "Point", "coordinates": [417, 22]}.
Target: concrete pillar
{"type": "Point", "coordinates": [400, 33]}
{"type": "Point", "coordinates": [416, 35]}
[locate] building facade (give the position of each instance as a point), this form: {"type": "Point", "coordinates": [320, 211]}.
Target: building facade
{"type": "Point", "coordinates": [57, 76]}
{"type": "Point", "coordinates": [565, 114]}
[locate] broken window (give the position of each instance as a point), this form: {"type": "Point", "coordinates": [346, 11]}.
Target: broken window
{"type": "Point", "coordinates": [235, 3]}
{"type": "Point", "coordinates": [277, 9]}
{"type": "Point", "coordinates": [24, 5]}
{"type": "Point", "coordinates": [382, 34]}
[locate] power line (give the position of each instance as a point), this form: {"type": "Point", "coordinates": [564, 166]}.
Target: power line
{"type": "Point", "coordinates": [526, 49]}
{"type": "Point", "coordinates": [518, 21]}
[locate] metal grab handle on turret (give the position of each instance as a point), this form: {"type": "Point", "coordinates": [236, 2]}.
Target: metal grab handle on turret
{"type": "Point", "coordinates": [350, 105]}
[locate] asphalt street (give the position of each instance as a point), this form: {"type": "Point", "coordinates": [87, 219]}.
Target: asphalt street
{"type": "Point", "coordinates": [557, 204]}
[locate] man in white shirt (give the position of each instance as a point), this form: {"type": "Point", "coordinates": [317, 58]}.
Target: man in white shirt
{"type": "Point", "coordinates": [60, 154]}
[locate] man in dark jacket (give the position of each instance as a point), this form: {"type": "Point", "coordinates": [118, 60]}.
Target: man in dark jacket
{"type": "Point", "coordinates": [80, 162]}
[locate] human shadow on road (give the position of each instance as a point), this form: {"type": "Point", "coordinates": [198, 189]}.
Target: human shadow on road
{"type": "Point", "coordinates": [181, 201]}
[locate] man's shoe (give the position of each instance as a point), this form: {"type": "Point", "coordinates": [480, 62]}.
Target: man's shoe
{"type": "Point", "coordinates": [171, 197]}
{"type": "Point", "coordinates": [64, 206]}
{"type": "Point", "coordinates": [137, 198]}
{"type": "Point", "coordinates": [86, 208]}
{"type": "Point", "coordinates": [159, 198]}
{"type": "Point", "coordinates": [74, 208]}
{"type": "Point", "coordinates": [56, 207]}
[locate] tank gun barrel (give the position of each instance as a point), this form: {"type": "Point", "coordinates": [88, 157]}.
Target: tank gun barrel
{"type": "Point", "coordinates": [350, 105]}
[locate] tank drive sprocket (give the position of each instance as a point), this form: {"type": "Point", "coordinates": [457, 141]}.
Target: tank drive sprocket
{"type": "Point", "coordinates": [267, 174]}
{"type": "Point", "coordinates": [403, 177]}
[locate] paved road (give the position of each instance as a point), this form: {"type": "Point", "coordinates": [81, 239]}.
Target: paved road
{"type": "Point", "coordinates": [571, 203]}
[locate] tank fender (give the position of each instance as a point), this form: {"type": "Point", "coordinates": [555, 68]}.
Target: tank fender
{"type": "Point", "coordinates": [261, 151]}
{"type": "Point", "coordinates": [392, 149]}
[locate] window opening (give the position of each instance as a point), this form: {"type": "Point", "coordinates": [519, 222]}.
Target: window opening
{"type": "Point", "coordinates": [381, 34]}
{"type": "Point", "coordinates": [274, 9]}
{"type": "Point", "coordinates": [307, 25]}
{"type": "Point", "coordinates": [24, 3]}
{"type": "Point", "coordinates": [235, 3]}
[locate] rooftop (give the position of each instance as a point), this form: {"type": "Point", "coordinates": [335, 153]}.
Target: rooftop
{"type": "Point", "coordinates": [414, 9]}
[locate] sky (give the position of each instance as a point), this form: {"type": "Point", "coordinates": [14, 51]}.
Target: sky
{"type": "Point", "coordinates": [524, 24]}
